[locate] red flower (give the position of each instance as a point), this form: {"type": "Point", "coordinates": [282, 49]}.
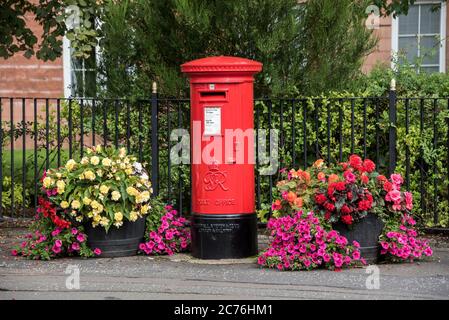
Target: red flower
{"type": "Point", "coordinates": [320, 198]}
{"type": "Point", "coordinates": [364, 179]}
{"type": "Point", "coordinates": [381, 178]}
{"type": "Point", "coordinates": [345, 210]}
{"type": "Point", "coordinates": [388, 186]}
{"type": "Point", "coordinates": [330, 190]}
{"type": "Point", "coordinates": [327, 215]}
{"type": "Point", "coordinates": [329, 206]}
{"type": "Point", "coordinates": [349, 195]}
{"type": "Point", "coordinates": [340, 186]}
{"type": "Point", "coordinates": [356, 162]}
{"type": "Point", "coordinates": [347, 219]}
{"type": "Point", "coordinates": [364, 205]}
{"type": "Point", "coordinates": [368, 165]}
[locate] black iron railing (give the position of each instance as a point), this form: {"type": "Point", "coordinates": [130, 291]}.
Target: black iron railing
{"type": "Point", "coordinates": [408, 135]}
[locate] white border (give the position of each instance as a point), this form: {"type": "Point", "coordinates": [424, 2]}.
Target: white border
{"type": "Point", "coordinates": [395, 34]}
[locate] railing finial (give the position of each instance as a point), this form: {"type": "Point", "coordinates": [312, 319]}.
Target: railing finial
{"type": "Point", "coordinates": [393, 84]}
{"type": "Point", "coordinates": [154, 87]}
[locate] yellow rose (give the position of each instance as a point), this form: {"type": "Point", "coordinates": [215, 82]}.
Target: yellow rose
{"type": "Point", "coordinates": [104, 189]}
{"type": "Point", "coordinates": [64, 204]}
{"type": "Point", "coordinates": [76, 204]}
{"type": "Point", "coordinates": [94, 160]}
{"type": "Point", "coordinates": [81, 176]}
{"type": "Point", "coordinates": [94, 204]}
{"type": "Point", "coordinates": [97, 218]}
{"type": "Point", "coordinates": [145, 196]}
{"type": "Point", "coordinates": [144, 209]}
{"type": "Point", "coordinates": [58, 175]}
{"type": "Point", "coordinates": [87, 201]}
{"type": "Point", "coordinates": [100, 208]}
{"type": "Point", "coordinates": [118, 216]}
{"type": "Point", "coordinates": [133, 216]}
{"type": "Point", "coordinates": [106, 162]}
{"type": "Point", "coordinates": [84, 161]}
{"type": "Point", "coordinates": [132, 191]}
{"type": "Point", "coordinates": [129, 171]}
{"type": "Point", "coordinates": [47, 182]}
{"type": "Point", "coordinates": [115, 195]}
{"type": "Point", "coordinates": [99, 173]}
{"type": "Point", "coordinates": [122, 152]}
{"type": "Point", "coordinates": [60, 184]}
{"type": "Point", "coordinates": [104, 221]}
{"type": "Point", "coordinates": [89, 175]}
{"type": "Point", "coordinates": [98, 148]}
{"type": "Point", "coordinates": [79, 218]}
{"type": "Point", "coordinates": [118, 224]}
{"type": "Point", "coordinates": [70, 164]}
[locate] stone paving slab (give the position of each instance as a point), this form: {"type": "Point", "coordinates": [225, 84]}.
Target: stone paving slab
{"type": "Point", "coordinates": [183, 277]}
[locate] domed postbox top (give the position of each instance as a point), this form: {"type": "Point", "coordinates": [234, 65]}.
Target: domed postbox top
{"type": "Point", "coordinates": [221, 64]}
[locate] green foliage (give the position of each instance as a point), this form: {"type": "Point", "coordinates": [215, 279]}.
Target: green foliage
{"type": "Point", "coordinates": [153, 219]}
{"type": "Point", "coordinates": [19, 199]}
{"type": "Point", "coordinates": [297, 43]}
{"type": "Point", "coordinates": [16, 35]}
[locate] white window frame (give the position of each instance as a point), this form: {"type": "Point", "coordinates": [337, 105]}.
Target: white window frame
{"type": "Point", "coordinates": [67, 66]}
{"type": "Point", "coordinates": [395, 34]}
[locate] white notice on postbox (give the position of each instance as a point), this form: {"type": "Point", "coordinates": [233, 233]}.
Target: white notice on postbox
{"type": "Point", "coordinates": [212, 121]}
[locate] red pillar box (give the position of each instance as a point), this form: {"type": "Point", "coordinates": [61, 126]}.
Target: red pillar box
{"type": "Point", "coordinates": [224, 223]}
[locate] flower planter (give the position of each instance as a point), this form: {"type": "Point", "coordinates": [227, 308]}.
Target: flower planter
{"type": "Point", "coordinates": [366, 232]}
{"type": "Point", "coordinates": [121, 242]}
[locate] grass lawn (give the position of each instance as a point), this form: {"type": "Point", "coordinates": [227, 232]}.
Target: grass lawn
{"type": "Point", "coordinates": [19, 165]}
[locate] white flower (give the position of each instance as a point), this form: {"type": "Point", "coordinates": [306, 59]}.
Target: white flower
{"type": "Point", "coordinates": [137, 166]}
{"type": "Point", "coordinates": [144, 176]}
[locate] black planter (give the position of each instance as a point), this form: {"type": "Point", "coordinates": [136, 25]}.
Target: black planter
{"type": "Point", "coordinates": [117, 242]}
{"type": "Point", "coordinates": [366, 232]}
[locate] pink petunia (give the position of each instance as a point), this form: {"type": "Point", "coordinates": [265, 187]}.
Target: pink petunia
{"type": "Point", "coordinates": [81, 237]}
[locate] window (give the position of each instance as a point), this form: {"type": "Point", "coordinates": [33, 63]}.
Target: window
{"type": "Point", "coordinates": [420, 35]}
{"type": "Point", "coordinates": [79, 74]}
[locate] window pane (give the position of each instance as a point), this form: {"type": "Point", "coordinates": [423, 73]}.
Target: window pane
{"type": "Point", "coordinates": [77, 63]}
{"type": "Point", "coordinates": [77, 83]}
{"type": "Point", "coordinates": [90, 62]}
{"type": "Point", "coordinates": [430, 69]}
{"type": "Point", "coordinates": [430, 19]}
{"type": "Point", "coordinates": [90, 88]}
{"type": "Point", "coordinates": [409, 47]}
{"type": "Point", "coordinates": [430, 50]}
{"type": "Point", "coordinates": [408, 24]}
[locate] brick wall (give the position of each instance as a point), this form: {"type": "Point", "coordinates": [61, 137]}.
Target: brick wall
{"type": "Point", "coordinates": [22, 77]}
{"type": "Point", "coordinates": [382, 51]}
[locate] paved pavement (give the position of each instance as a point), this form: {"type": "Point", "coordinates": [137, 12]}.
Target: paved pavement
{"type": "Point", "coordinates": [182, 277]}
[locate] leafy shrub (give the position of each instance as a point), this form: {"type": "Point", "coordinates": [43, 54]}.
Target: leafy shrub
{"type": "Point", "coordinates": [19, 200]}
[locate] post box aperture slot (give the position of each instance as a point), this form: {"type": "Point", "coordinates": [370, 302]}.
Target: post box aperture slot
{"type": "Point", "coordinates": [213, 95]}
{"type": "Point", "coordinates": [212, 121]}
